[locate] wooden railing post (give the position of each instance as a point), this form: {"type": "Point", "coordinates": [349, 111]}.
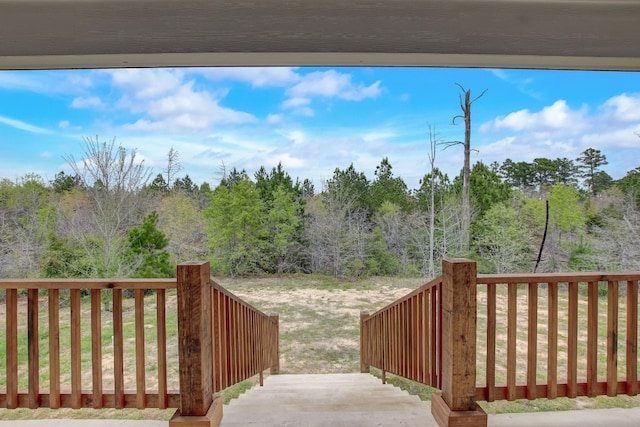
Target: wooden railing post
{"type": "Point", "coordinates": [457, 406]}
{"type": "Point", "coordinates": [197, 406]}
{"type": "Point", "coordinates": [364, 354]}
{"type": "Point", "coordinates": [275, 346]}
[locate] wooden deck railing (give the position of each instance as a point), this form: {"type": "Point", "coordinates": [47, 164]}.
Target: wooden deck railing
{"type": "Point", "coordinates": [44, 355]}
{"type": "Point", "coordinates": [404, 337]}
{"type": "Point", "coordinates": [562, 335]}
{"type": "Point", "coordinates": [506, 337]}
{"type": "Point", "coordinates": [221, 340]}
{"type": "Point", "coordinates": [245, 338]}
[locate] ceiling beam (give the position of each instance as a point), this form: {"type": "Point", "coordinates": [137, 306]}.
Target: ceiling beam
{"type": "Point", "coordinates": [567, 34]}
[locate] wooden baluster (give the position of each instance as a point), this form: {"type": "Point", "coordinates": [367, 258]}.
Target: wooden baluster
{"type": "Point", "coordinates": [415, 328]}
{"type": "Point", "coordinates": [632, 337]}
{"type": "Point", "coordinates": [225, 351]}
{"type": "Point", "coordinates": [572, 342]}
{"type": "Point", "coordinates": [592, 339]}
{"type": "Point", "coordinates": [512, 328]}
{"type": "Point", "coordinates": [552, 341]}
{"type": "Point", "coordinates": [491, 342]}
{"type": "Point", "coordinates": [428, 340]}
{"type": "Point", "coordinates": [161, 331]}
{"type": "Point", "coordinates": [118, 349]}
{"type": "Point", "coordinates": [54, 348]}
{"type": "Point", "coordinates": [275, 349]}
{"type": "Point", "coordinates": [434, 346]}
{"type": "Point", "coordinates": [96, 348]}
{"type": "Point", "coordinates": [532, 340]}
{"type": "Point", "coordinates": [612, 339]}
{"type": "Point", "coordinates": [12, 348]}
{"type": "Point", "coordinates": [33, 342]}
{"type": "Point", "coordinates": [76, 351]}
{"type": "Point", "coordinates": [140, 354]}
{"type": "Point", "coordinates": [365, 325]}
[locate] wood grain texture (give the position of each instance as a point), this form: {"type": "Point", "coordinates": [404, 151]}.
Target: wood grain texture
{"type": "Point", "coordinates": [512, 330]}
{"type": "Point", "coordinates": [612, 338]}
{"type": "Point", "coordinates": [54, 349]}
{"type": "Point", "coordinates": [161, 328]}
{"type": "Point", "coordinates": [572, 341]}
{"type": "Point", "coordinates": [12, 347]}
{"type": "Point", "coordinates": [118, 350]}
{"type": "Point", "coordinates": [491, 342]}
{"type": "Point", "coordinates": [76, 351]}
{"type": "Point", "coordinates": [87, 283]}
{"type": "Point", "coordinates": [632, 338]}
{"type": "Point", "coordinates": [459, 334]}
{"type": "Point", "coordinates": [598, 34]}
{"type": "Point", "coordinates": [552, 337]}
{"type": "Point", "coordinates": [194, 338]}
{"type": "Point", "coordinates": [592, 338]}
{"type": "Point", "coordinates": [140, 354]}
{"type": "Point", "coordinates": [532, 340]}
{"type": "Point", "coordinates": [96, 347]}
{"type": "Point", "coordinates": [33, 343]}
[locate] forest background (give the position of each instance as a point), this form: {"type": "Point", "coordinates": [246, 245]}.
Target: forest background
{"type": "Point", "coordinates": [115, 217]}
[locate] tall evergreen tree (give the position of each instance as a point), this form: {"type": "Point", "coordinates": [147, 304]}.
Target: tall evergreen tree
{"type": "Point", "coordinates": [147, 245]}
{"type": "Point", "coordinates": [589, 164]}
{"type": "Point", "coordinates": [387, 188]}
{"type": "Point", "coordinates": [235, 225]}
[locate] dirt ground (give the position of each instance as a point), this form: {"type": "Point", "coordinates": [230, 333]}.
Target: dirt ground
{"type": "Point", "coordinates": [320, 322]}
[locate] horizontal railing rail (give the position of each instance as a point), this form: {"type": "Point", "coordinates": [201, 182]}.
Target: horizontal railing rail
{"type": "Point", "coordinates": [44, 355]}
{"type": "Point", "coordinates": [404, 338]}
{"type": "Point", "coordinates": [245, 340]}
{"type": "Point", "coordinates": [561, 335]}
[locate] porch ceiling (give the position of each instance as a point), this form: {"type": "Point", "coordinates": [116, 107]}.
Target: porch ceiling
{"type": "Point", "coordinates": [574, 34]}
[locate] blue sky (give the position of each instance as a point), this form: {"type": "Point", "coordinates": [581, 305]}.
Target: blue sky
{"type": "Point", "coordinates": [314, 119]}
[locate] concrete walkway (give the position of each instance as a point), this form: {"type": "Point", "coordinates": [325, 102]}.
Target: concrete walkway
{"type": "Point", "coordinates": [354, 400]}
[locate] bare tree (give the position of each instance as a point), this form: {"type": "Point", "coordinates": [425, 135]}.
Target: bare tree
{"type": "Point", "coordinates": [173, 166]}
{"type": "Point", "coordinates": [336, 230]}
{"type": "Point", "coordinates": [433, 142]}
{"type": "Point", "coordinates": [616, 245]}
{"type": "Point", "coordinates": [112, 178]}
{"type": "Point", "coordinates": [465, 106]}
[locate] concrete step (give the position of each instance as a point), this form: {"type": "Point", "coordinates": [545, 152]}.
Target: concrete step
{"type": "Point", "coordinates": [326, 400]}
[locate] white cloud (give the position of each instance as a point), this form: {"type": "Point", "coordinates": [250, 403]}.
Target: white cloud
{"type": "Point", "coordinates": [274, 118]}
{"type": "Point", "coordinates": [296, 102]}
{"type": "Point", "coordinates": [618, 138]}
{"type": "Point", "coordinates": [298, 137]}
{"type": "Point", "coordinates": [19, 124]}
{"type": "Point", "coordinates": [86, 102]}
{"type": "Point", "coordinates": [147, 83]}
{"type": "Point", "coordinates": [523, 85]}
{"type": "Point", "coordinates": [288, 161]}
{"type": "Point", "coordinates": [331, 84]}
{"type": "Point", "coordinates": [256, 76]}
{"type": "Point", "coordinates": [378, 135]}
{"type": "Point", "coordinates": [624, 108]}
{"type": "Point", "coordinates": [168, 104]}
{"type": "Point", "coordinates": [404, 97]}
{"type": "Point", "coordinates": [555, 117]}
{"type": "Point", "coordinates": [46, 155]}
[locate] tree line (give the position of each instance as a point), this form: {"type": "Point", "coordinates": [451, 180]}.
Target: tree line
{"type": "Point", "coordinates": [112, 217]}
